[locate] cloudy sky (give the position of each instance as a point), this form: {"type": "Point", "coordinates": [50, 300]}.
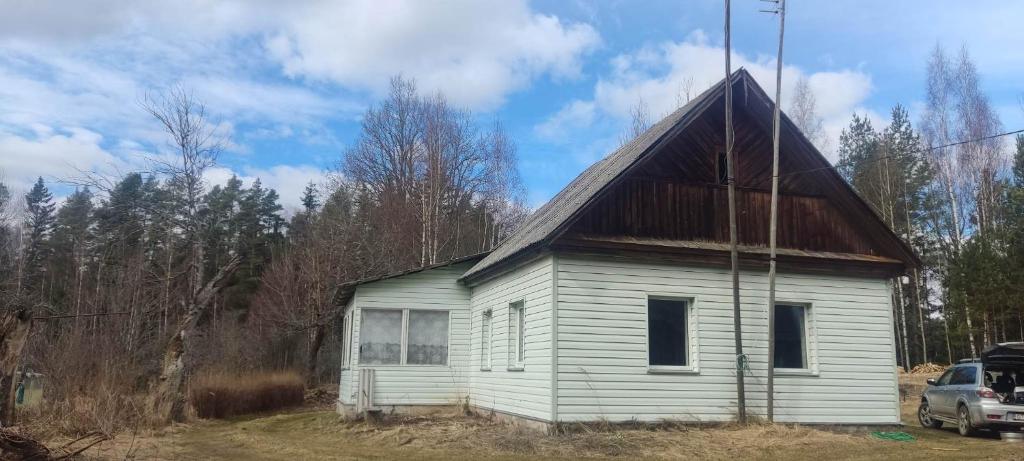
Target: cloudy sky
{"type": "Point", "coordinates": [289, 80]}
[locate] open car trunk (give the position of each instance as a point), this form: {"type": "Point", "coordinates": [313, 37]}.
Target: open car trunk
{"type": "Point", "coordinates": [1003, 355]}
{"type": "Point", "coordinates": [1004, 371]}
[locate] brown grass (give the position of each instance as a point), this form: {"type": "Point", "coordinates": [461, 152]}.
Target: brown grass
{"type": "Point", "coordinates": [323, 435]}
{"type": "Point", "coordinates": [222, 395]}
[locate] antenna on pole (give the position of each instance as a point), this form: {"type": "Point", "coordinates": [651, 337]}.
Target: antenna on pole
{"type": "Point", "coordinates": [780, 9]}
{"type": "Point", "coordinates": [741, 358]}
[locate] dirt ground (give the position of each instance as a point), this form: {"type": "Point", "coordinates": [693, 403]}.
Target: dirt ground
{"type": "Point", "coordinates": [320, 434]}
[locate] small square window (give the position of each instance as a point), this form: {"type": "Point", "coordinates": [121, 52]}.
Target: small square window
{"type": "Point", "coordinates": [667, 342]}
{"type": "Point", "coordinates": [790, 336]}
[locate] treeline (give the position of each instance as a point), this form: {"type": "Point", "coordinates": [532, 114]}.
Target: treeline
{"type": "Point", "coordinates": [143, 281]}
{"type": "Point", "coordinates": [960, 205]}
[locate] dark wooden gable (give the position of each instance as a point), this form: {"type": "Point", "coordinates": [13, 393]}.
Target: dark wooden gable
{"type": "Point", "coordinates": [676, 193]}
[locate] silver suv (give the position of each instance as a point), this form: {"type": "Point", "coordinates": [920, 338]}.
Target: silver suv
{"type": "Point", "coordinates": [978, 394]}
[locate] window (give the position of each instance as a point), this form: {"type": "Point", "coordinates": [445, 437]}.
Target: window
{"type": "Point", "coordinates": [485, 341]}
{"type": "Point", "coordinates": [944, 379]}
{"type": "Point", "coordinates": [964, 375]}
{"type": "Point", "coordinates": [346, 337]}
{"type": "Point", "coordinates": [722, 168]}
{"type": "Point", "coordinates": [380, 337]}
{"type": "Point", "coordinates": [790, 336]}
{"type": "Point", "coordinates": [403, 337]}
{"type": "Point", "coordinates": [516, 335]}
{"type": "Point", "coordinates": [428, 338]}
{"type": "Point", "coordinates": [667, 334]}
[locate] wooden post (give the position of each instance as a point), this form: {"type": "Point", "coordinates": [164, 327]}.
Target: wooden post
{"type": "Point", "coordinates": [734, 253]}
{"type": "Point", "coordinates": [773, 224]}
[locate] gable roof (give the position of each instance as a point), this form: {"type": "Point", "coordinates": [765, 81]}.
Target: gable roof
{"type": "Point", "coordinates": [548, 222]}
{"type": "Point", "coordinates": [345, 291]}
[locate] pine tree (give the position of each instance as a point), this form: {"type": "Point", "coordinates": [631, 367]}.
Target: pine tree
{"type": "Point", "coordinates": [38, 227]}
{"type": "Point", "coordinates": [72, 245]}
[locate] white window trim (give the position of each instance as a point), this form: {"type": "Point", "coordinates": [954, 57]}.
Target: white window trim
{"type": "Point", "coordinates": [405, 338]}
{"type": "Point", "coordinates": [487, 349]}
{"type": "Point", "coordinates": [810, 342]}
{"type": "Point", "coordinates": [514, 364]}
{"type": "Point", "coordinates": [346, 332]}
{"type": "Point", "coordinates": [692, 338]}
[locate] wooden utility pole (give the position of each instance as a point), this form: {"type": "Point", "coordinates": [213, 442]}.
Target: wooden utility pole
{"type": "Point", "coordinates": [741, 359]}
{"type": "Point", "coordinates": [773, 224]}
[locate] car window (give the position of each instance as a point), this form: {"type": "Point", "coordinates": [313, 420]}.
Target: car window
{"type": "Point", "coordinates": [964, 375]}
{"type": "Point", "coordinates": [944, 380]}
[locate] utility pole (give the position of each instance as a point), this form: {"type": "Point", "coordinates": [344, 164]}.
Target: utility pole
{"type": "Point", "coordinates": [741, 358]}
{"type": "Point", "coordinates": [780, 9]}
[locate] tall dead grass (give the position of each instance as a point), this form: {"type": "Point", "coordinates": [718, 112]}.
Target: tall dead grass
{"type": "Point", "coordinates": [222, 395]}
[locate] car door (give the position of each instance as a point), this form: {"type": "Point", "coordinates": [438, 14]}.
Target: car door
{"type": "Point", "coordinates": [963, 381]}
{"type": "Point", "coordinates": [938, 395]}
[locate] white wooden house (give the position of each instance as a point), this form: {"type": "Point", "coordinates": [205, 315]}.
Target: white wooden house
{"type": "Point", "coordinates": [613, 302]}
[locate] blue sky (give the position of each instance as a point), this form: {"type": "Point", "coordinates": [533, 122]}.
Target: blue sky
{"type": "Point", "coordinates": [288, 80]}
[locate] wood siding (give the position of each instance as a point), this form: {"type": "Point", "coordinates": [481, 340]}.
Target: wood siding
{"type": "Point", "coordinates": [416, 384]}
{"type": "Point", "coordinates": [602, 347]}
{"type": "Point", "coordinates": [347, 391]}
{"type": "Point", "coordinates": [672, 210]}
{"type": "Point", "coordinates": [525, 392]}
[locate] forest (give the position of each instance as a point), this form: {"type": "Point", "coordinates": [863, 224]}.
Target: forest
{"type": "Point", "coordinates": [130, 287]}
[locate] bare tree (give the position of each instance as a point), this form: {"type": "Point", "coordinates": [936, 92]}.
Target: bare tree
{"type": "Point", "coordinates": [196, 145]}
{"type": "Point", "coordinates": [803, 110]}
{"type": "Point", "coordinates": [15, 323]}
{"type": "Point", "coordinates": [640, 121]}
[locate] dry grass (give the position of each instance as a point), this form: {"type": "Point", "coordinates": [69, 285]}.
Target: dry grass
{"type": "Point", "coordinates": [222, 395]}
{"type": "Point", "coordinates": [322, 435]}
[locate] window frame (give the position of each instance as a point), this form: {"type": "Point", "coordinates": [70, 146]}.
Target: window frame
{"type": "Point", "coordinates": [346, 333]}
{"type": "Point", "coordinates": [810, 342]}
{"type": "Point", "coordinates": [487, 347]}
{"type": "Point", "coordinates": [516, 335]}
{"type": "Point", "coordinates": [405, 338]}
{"type": "Point", "coordinates": [963, 369]}
{"type": "Point", "coordinates": [692, 340]}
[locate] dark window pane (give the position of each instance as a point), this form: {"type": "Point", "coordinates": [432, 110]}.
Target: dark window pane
{"type": "Point", "coordinates": [666, 330]}
{"type": "Point", "coordinates": [723, 168]}
{"type": "Point", "coordinates": [789, 337]}
{"type": "Point", "coordinates": [964, 375]}
{"type": "Point", "coordinates": [944, 379]}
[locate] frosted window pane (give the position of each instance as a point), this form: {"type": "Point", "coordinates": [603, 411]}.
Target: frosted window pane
{"type": "Point", "coordinates": [380, 337]}
{"type": "Point", "coordinates": [428, 338]}
{"type": "Point", "coordinates": [485, 346]}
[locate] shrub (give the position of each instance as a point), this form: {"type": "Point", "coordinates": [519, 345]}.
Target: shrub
{"type": "Point", "coordinates": [221, 395]}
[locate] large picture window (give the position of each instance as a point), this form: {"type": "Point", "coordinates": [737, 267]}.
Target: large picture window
{"type": "Point", "coordinates": [667, 334]}
{"type": "Point", "coordinates": [790, 336]}
{"type": "Point", "coordinates": [428, 338]}
{"type": "Point", "coordinates": [403, 337]}
{"type": "Point", "coordinates": [380, 337]}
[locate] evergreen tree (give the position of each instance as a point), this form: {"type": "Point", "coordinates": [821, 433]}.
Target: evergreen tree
{"type": "Point", "coordinates": [72, 245]}
{"type": "Point", "coordinates": [38, 227]}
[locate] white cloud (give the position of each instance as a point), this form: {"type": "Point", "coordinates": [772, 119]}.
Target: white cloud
{"type": "Point", "coordinates": [475, 52]}
{"type": "Point", "coordinates": [288, 180]}
{"type": "Point", "coordinates": [577, 114]}
{"type": "Point", "coordinates": [54, 155]}
{"type": "Point", "coordinates": [662, 74]}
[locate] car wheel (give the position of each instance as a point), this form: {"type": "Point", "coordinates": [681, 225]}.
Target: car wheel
{"type": "Point", "coordinates": [963, 420]}
{"type": "Point", "coordinates": [924, 416]}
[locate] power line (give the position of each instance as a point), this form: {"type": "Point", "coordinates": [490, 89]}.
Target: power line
{"type": "Point", "coordinates": [920, 151]}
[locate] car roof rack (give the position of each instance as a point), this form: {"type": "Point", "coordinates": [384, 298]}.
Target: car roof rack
{"type": "Point", "coordinates": [968, 360]}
